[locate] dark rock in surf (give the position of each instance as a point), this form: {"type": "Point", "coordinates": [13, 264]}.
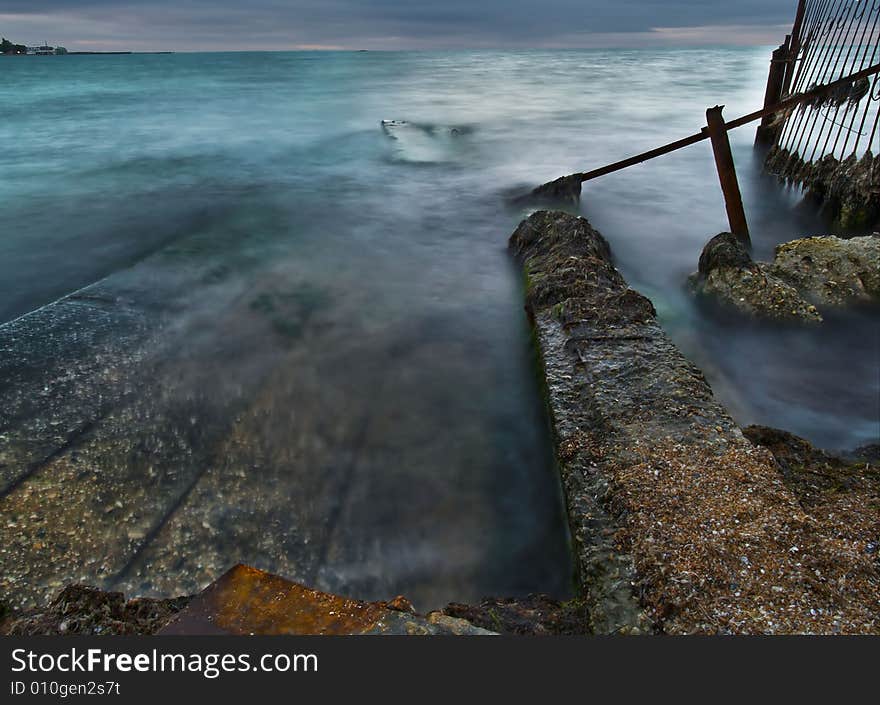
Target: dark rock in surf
{"type": "Point", "coordinates": [566, 190]}
{"type": "Point", "coordinates": [828, 272]}
{"type": "Point", "coordinates": [724, 250]}
{"type": "Point", "coordinates": [728, 276]}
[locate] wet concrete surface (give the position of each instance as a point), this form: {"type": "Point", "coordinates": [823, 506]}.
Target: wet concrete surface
{"type": "Point", "coordinates": [151, 438]}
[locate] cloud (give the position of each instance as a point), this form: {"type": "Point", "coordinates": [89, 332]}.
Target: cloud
{"type": "Point", "coordinates": [390, 24]}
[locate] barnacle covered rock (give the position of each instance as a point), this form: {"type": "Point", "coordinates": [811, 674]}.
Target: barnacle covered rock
{"type": "Point", "coordinates": [728, 275]}
{"type": "Point", "coordinates": [849, 189]}
{"type": "Point", "coordinates": [831, 271]}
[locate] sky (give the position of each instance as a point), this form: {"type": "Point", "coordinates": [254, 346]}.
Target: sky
{"type": "Point", "coordinates": [207, 25]}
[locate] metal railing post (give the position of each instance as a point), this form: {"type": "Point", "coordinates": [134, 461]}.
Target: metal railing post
{"type": "Point", "coordinates": [767, 130]}
{"type": "Point", "coordinates": [736, 215]}
{"type": "Point", "coordinates": [795, 46]}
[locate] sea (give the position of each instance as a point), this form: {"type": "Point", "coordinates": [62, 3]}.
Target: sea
{"type": "Point", "coordinates": [355, 339]}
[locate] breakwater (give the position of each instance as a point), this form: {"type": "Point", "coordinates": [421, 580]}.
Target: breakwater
{"type": "Point", "coordinates": [680, 523]}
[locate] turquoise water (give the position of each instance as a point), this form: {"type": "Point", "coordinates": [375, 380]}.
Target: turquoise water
{"type": "Point", "coordinates": [391, 249]}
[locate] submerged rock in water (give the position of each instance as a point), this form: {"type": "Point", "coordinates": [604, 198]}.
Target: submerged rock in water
{"type": "Point", "coordinates": [831, 271]}
{"type": "Point", "coordinates": [566, 190]}
{"type": "Point", "coordinates": [728, 275]}
{"type": "Point", "coordinates": [424, 142]}
{"type": "Point", "coordinates": [827, 271]}
{"type": "Point", "coordinates": [535, 615]}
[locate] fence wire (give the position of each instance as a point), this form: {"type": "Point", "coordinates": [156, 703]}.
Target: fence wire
{"type": "Point", "coordinates": [827, 145]}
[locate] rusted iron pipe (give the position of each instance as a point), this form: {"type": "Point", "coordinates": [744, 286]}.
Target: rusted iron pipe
{"type": "Point", "coordinates": [767, 131]}
{"type": "Point", "coordinates": [798, 98]}
{"type": "Point", "coordinates": [795, 46]}
{"type": "Point", "coordinates": [644, 156]}
{"type": "Point", "coordinates": [736, 215]}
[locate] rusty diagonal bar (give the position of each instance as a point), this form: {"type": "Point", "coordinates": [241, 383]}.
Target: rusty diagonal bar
{"type": "Point", "coordinates": [779, 107]}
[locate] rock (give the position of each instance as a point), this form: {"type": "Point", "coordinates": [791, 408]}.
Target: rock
{"type": "Point", "coordinates": [791, 452]}
{"type": "Point", "coordinates": [728, 276]}
{"type": "Point", "coordinates": [847, 190]}
{"type": "Point", "coordinates": [424, 142]}
{"type": "Point", "coordinates": [401, 604]}
{"type": "Point", "coordinates": [535, 615]}
{"type": "Point", "coordinates": [456, 626]}
{"type": "Point", "coordinates": [566, 190]}
{"type": "Point", "coordinates": [722, 251]}
{"type": "Point", "coordinates": [566, 245]}
{"type": "Point", "coordinates": [828, 272]}
{"type": "Point", "coordinates": [249, 601]}
{"type": "Point", "coordinates": [831, 271]}
{"type": "Point", "coordinates": [84, 610]}
{"type": "Point", "coordinates": [243, 601]}
{"type": "Point", "coordinates": [865, 454]}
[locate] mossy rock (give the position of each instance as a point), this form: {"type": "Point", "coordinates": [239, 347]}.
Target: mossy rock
{"type": "Point", "coordinates": [729, 277]}
{"type": "Point", "coordinates": [831, 271]}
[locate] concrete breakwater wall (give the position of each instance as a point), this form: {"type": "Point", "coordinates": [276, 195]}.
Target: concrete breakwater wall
{"type": "Point", "coordinates": [680, 523]}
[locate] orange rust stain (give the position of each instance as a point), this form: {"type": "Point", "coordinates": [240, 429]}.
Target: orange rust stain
{"type": "Point", "coordinates": [250, 601]}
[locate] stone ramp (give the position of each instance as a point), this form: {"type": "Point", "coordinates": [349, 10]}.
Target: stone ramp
{"type": "Point", "coordinates": [680, 524]}
{"type": "Point", "coordinates": [83, 491]}
{"type": "Point", "coordinates": [180, 415]}
{"type": "Point", "coordinates": [61, 371]}
{"type": "Point", "coordinates": [116, 418]}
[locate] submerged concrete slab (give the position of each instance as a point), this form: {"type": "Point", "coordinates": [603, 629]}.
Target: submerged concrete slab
{"type": "Point", "coordinates": [680, 523]}
{"type": "Point", "coordinates": [247, 601]}
{"type": "Point", "coordinates": [209, 405]}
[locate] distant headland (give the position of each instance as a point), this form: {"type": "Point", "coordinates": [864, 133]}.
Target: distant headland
{"type": "Point", "coordinates": [8, 48]}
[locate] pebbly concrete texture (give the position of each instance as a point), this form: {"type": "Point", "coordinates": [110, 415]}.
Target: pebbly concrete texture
{"type": "Point", "coordinates": [219, 402]}
{"type": "Point", "coordinates": [680, 523]}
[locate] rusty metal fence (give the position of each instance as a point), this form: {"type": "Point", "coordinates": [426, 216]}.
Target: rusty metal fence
{"type": "Point", "coordinates": [820, 119]}
{"type": "Point", "coordinates": [826, 145]}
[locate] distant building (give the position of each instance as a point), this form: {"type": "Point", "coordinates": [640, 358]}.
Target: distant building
{"type": "Point", "coordinates": [44, 50]}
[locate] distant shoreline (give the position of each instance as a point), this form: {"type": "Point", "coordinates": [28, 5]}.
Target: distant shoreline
{"type": "Point", "coordinates": [97, 53]}
{"type": "Point", "coordinates": [92, 53]}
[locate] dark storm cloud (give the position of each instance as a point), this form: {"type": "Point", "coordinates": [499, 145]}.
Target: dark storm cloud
{"type": "Point", "coordinates": [374, 23]}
